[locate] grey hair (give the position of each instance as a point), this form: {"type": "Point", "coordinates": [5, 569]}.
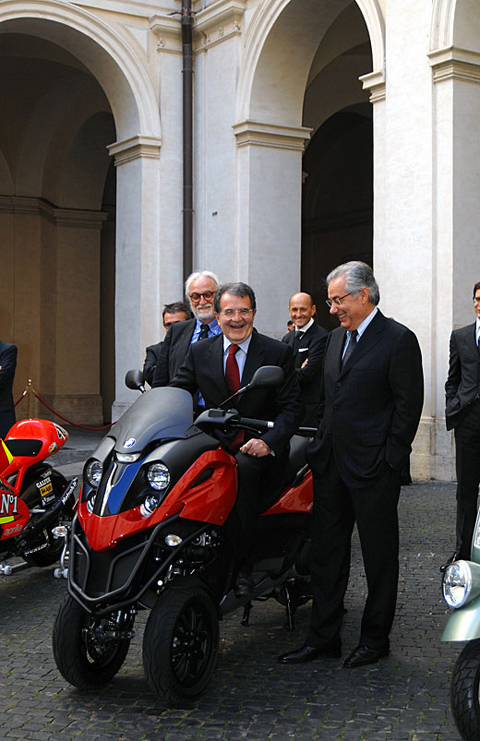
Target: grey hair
{"type": "Point", "coordinates": [236, 289]}
{"type": "Point", "coordinates": [194, 276]}
{"type": "Point", "coordinates": [357, 275]}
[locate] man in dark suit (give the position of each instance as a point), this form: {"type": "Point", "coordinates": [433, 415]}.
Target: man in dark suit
{"type": "Point", "coordinates": [8, 363]}
{"type": "Point", "coordinates": [200, 290]}
{"type": "Point", "coordinates": [308, 346]}
{"type": "Point", "coordinates": [462, 414]}
{"type": "Point", "coordinates": [171, 314]}
{"type": "Point", "coordinates": [216, 368]}
{"type": "Point", "coordinates": [372, 397]}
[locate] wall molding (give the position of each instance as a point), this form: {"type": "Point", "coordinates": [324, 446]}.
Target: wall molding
{"type": "Point", "coordinates": [134, 148]}
{"type": "Point", "coordinates": [254, 133]}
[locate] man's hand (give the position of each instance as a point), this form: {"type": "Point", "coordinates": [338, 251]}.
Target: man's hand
{"type": "Point", "coordinates": [255, 447]}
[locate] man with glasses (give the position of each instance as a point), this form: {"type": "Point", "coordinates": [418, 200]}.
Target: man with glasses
{"type": "Point", "coordinates": [217, 368]}
{"type": "Point", "coordinates": [462, 414]}
{"type": "Point", "coordinates": [200, 291]}
{"type": "Point", "coordinates": [371, 402]}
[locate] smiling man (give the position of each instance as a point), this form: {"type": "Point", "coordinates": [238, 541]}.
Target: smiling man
{"type": "Point", "coordinates": [217, 368]}
{"type": "Point", "coordinates": [371, 401]}
{"type": "Point", "coordinates": [308, 345]}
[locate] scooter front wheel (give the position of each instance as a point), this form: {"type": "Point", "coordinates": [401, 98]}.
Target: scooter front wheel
{"type": "Point", "coordinates": [465, 688]}
{"type": "Point", "coordinates": [180, 643]}
{"type": "Point", "coordinates": [85, 654]}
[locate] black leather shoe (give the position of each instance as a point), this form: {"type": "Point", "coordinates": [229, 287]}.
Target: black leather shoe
{"type": "Point", "coordinates": [454, 557]}
{"type": "Point", "coordinates": [363, 656]}
{"type": "Point", "coordinates": [243, 586]}
{"type": "Point", "coordinates": [309, 653]}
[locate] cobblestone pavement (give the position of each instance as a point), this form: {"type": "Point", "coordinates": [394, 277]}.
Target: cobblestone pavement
{"type": "Point", "coordinates": [404, 698]}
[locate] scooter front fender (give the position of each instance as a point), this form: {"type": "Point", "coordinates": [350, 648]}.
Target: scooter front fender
{"type": "Point", "coordinates": [464, 623]}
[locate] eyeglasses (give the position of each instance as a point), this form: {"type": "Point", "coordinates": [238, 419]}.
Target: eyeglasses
{"type": "Point", "coordinates": [337, 300]}
{"type": "Point", "coordinates": [233, 312]}
{"type": "Point", "coordinates": [207, 295]}
{"type": "Point", "coordinates": [476, 299]}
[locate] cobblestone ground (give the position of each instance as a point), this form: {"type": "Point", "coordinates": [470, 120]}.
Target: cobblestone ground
{"type": "Point", "coordinates": [404, 698]}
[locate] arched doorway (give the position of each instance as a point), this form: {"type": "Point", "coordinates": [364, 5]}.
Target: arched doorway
{"type": "Point", "coordinates": [72, 88]}
{"type": "Point", "coordinates": [292, 93]}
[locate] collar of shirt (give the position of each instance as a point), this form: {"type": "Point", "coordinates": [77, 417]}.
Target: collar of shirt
{"type": "Point", "coordinates": [213, 325]}
{"type": "Point", "coordinates": [307, 326]}
{"type": "Point", "coordinates": [362, 327]}
{"type": "Point", "coordinates": [240, 357]}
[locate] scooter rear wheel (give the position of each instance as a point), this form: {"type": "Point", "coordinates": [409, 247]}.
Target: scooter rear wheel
{"type": "Point", "coordinates": [464, 692]}
{"type": "Point", "coordinates": [180, 643]}
{"type": "Point", "coordinates": [82, 658]}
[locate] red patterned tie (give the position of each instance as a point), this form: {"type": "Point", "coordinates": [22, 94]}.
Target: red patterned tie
{"type": "Point", "coordinates": [232, 374]}
{"type": "Point", "coordinates": [232, 379]}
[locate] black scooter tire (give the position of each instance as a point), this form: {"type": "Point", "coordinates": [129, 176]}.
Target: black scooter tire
{"type": "Point", "coordinates": [83, 661]}
{"type": "Point", "coordinates": [48, 555]}
{"type": "Point", "coordinates": [464, 692]}
{"type": "Point", "coordinates": [180, 644]}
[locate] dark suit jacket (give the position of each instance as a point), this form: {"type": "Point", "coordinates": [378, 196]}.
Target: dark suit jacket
{"type": "Point", "coordinates": [463, 379]}
{"type": "Point", "coordinates": [8, 363]}
{"type": "Point", "coordinates": [311, 346]}
{"type": "Point", "coordinates": [371, 408]}
{"type": "Point", "coordinates": [203, 371]}
{"type": "Point", "coordinates": [173, 353]}
{"type": "Point", "coordinates": [151, 360]}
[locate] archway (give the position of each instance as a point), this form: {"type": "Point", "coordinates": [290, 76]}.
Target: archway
{"type": "Point", "coordinates": [301, 73]}
{"type": "Point", "coordinates": [73, 88]}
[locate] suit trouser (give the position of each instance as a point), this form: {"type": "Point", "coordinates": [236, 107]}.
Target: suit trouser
{"type": "Point", "coordinates": [336, 508]}
{"type": "Point", "coordinates": [467, 444]}
{"type": "Point", "coordinates": [259, 484]}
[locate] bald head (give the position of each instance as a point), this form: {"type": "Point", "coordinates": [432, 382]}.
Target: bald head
{"type": "Point", "coordinates": [301, 308]}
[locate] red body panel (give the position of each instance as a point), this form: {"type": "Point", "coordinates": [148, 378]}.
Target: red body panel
{"type": "Point", "coordinates": [210, 501]}
{"type": "Point", "coordinates": [14, 513]}
{"type": "Point", "coordinates": [53, 436]}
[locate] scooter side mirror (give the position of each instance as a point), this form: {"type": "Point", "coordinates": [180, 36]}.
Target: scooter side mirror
{"type": "Point", "coordinates": [134, 380]}
{"type": "Point", "coordinates": [267, 376]}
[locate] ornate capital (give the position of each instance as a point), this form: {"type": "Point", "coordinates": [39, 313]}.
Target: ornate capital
{"type": "Point", "coordinates": [271, 135]}
{"type": "Point", "coordinates": [168, 30]}
{"type": "Point", "coordinates": [134, 148]}
{"type": "Point", "coordinates": [219, 21]}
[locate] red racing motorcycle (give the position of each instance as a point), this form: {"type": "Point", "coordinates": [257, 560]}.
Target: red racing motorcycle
{"type": "Point", "coordinates": [34, 498]}
{"type": "Point", "coordinates": [149, 535]}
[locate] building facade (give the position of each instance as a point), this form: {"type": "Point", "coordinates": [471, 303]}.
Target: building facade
{"type": "Point", "coordinates": [324, 130]}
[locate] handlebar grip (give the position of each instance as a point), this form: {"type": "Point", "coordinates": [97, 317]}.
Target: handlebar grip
{"type": "Point", "coordinates": [259, 424]}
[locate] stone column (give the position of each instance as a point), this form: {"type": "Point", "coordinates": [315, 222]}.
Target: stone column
{"type": "Point", "coordinates": [138, 278]}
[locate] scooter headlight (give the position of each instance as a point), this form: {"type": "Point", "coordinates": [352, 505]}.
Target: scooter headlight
{"type": "Point", "coordinates": [158, 476]}
{"type": "Point", "coordinates": [149, 505]}
{"type": "Point", "coordinates": [457, 584]}
{"type": "Point", "coordinates": [93, 472]}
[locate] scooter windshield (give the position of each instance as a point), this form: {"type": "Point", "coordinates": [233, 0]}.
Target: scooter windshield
{"type": "Point", "coordinates": [160, 413]}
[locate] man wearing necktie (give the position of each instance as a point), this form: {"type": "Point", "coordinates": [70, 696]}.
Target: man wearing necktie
{"type": "Point", "coordinates": [308, 342]}
{"type": "Point", "coordinates": [200, 290]}
{"type": "Point", "coordinates": [462, 414]}
{"type": "Point", "coordinates": [216, 367]}
{"type": "Point", "coordinates": [371, 402]}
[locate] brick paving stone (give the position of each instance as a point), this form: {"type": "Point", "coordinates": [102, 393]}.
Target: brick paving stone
{"type": "Point", "coordinates": [403, 698]}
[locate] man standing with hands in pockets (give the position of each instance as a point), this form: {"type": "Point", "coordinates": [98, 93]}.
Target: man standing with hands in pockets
{"type": "Point", "coordinates": [371, 402]}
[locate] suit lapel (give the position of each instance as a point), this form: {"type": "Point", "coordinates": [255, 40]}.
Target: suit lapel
{"type": "Point", "coordinates": [368, 340]}
{"type": "Point", "coordinates": [255, 358]}
{"type": "Point", "coordinates": [470, 339]}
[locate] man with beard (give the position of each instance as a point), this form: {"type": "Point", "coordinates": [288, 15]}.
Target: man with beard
{"type": "Point", "coordinates": [200, 291]}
